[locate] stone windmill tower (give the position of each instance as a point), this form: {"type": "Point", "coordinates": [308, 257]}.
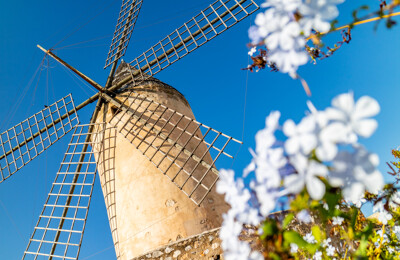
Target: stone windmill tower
{"type": "Point", "coordinates": [156, 163]}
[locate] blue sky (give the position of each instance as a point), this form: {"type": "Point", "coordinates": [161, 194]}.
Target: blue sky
{"type": "Point", "coordinates": [210, 78]}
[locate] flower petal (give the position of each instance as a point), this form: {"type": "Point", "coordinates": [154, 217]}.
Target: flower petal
{"type": "Point", "coordinates": [294, 183]}
{"type": "Point", "coordinates": [365, 128]}
{"type": "Point", "coordinates": [344, 102]}
{"type": "Point", "coordinates": [326, 151]}
{"type": "Point", "coordinates": [316, 188]}
{"type": "Point", "coordinates": [366, 107]}
{"type": "Point", "coordinates": [289, 128]}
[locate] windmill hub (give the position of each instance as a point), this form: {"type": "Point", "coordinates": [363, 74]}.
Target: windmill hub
{"type": "Point", "coordinates": [148, 85]}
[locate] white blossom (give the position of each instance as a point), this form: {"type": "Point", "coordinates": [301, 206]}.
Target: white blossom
{"type": "Point", "coordinates": [328, 134]}
{"type": "Point", "coordinates": [282, 168]}
{"type": "Point", "coordinates": [396, 230]}
{"type": "Point", "coordinates": [384, 216]}
{"type": "Point", "coordinates": [304, 216]}
{"type": "Point", "coordinates": [337, 221]}
{"type": "Point", "coordinates": [301, 138]}
{"type": "Point", "coordinates": [356, 172]}
{"type": "Point", "coordinates": [288, 61]}
{"type": "Point", "coordinates": [382, 236]}
{"type": "Point", "coordinates": [354, 116]}
{"type": "Point", "coordinates": [309, 238]}
{"type": "Point", "coordinates": [307, 175]}
{"type": "Point", "coordinates": [330, 251]}
{"type": "Point", "coordinates": [252, 51]}
{"type": "Point", "coordinates": [287, 6]}
{"type": "Point", "coordinates": [293, 248]}
{"type": "Point", "coordinates": [284, 36]}
{"type": "Point", "coordinates": [317, 255]}
{"type": "Point", "coordinates": [317, 14]}
{"type": "Point", "coordinates": [326, 242]}
{"type": "Point", "coordinates": [360, 202]}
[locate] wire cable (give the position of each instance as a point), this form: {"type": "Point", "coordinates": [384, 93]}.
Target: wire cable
{"type": "Point", "coordinates": [11, 220]}
{"type": "Point", "coordinates": [86, 23]}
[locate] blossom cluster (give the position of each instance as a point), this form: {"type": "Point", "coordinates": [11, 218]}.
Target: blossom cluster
{"type": "Point", "coordinates": [322, 149]}
{"type": "Point", "coordinates": [284, 27]}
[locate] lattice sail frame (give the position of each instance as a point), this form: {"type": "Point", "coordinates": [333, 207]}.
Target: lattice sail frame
{"type": "Point", "coordinates": [59, 230]}
{"type": "Point", "coordinates": [22, 143]}
{"type": "Point", "coordinates": [123, 30]}
{"type": "Point", "coordinates": [179, 146]}
{"type": "Point", "coordinates": [209, 23]}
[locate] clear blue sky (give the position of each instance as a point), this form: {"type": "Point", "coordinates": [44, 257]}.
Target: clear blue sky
{"type": "Point", "coordinates": [210, 78]}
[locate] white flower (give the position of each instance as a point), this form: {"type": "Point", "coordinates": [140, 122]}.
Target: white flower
{"type": "Point", "coordinates": [317, 255]}
{"type": "Point", "coordinates": [396, 230]}
{"type": "Point", "coordinates": [360, 202]}
{"type": "Point", "coordinates": [283, 5]}
{"type": "Point", "coordinates": [289, 61]}
{"type": "Point", "coordinates": [395, 200]}
{"type": "Point", "coordinates": [226, 181]}
{"type": "Point", "coordinates": [230, 231]}
{"type": "Point", "coordinates": [285, 36]}
{"type": "Point", "coordinates": [326, 242]}
{"type": "Point", "coordinates": [235, 194]}
{"type": "Point", "coordinates": [354, 116]}
{"type": "Point", "coordinates": [266, 198]}
{"type": "Point", "coordinates": [252, 51]}
{"type": "Point", "coordinates": [328, 134]}
{"type": "Point", "coordinates": [281, 36]}
{"type": "Point", "coordinates": [356, 172]}
{"type": "Point", "coordinates": [330, 251]}
{"type": "Point", "coordinates": [307, 174]}
{"type": "Point", "coordinates": [317, 14]}
{"type": "Point", "coordinates": [337, 221]}
{"type": "Point", "coordinates": [238, 251]}
{"type": "Point", "coordinates": [265, 138]}
{"type": "Point", "coordinates": [255, 255]}
{"type": "Point", "coordinates": [304, 216]}
{"type": "Point", "coordinates": [293, 248]}
{"type": "Point", "coordinates": [384, 216]}
{"type": "Point", "coordinates": [383, 236]}
{"type": "Point", "coordinates": [254, 35]}
{"type": "Point", "coordinates": [301, 138]}
{"type": "Point", "coordinates": [309, 238]}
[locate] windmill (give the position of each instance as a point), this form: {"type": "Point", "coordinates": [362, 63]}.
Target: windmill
{"type": "Point", "coordinates": [134, 112]}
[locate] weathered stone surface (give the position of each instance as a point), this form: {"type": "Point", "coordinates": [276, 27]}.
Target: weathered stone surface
{"type": "Point", "coordinates": [202, 246]}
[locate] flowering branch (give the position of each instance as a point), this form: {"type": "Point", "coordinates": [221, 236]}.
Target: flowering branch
{"type": "Point", "coordinates": [323, 175]}
{"type": "Point", "coordinates": [283, 30]}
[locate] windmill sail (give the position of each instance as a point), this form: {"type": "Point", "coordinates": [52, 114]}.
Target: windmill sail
{"type": "Point", "coordinates": [22, 143]}
{"type": "Point", "coordinates": [179, 146]}
{"type": "Point", "coordinates": [209, 23]}
{"type": "Point", "coordinates": [59, 230]}
{"type": "Point", "coordinates": [123, 30]}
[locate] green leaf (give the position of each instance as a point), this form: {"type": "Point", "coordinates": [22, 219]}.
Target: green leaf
{"type": "Point", "coordinates": [274, 256]}
{"type": "Point", "coordinates": [289, 217]}
{"type": "Point", "coordinates": [294, 237]}
{"type": "Point", "coordinates": [362, 249]}
{"type": "Point", "coordinates": [269, 228]}
{"type": "Point", "coordinates": [316, 231]}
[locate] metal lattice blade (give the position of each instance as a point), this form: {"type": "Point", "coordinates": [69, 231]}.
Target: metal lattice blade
{"type": "Point", "coordinates": [212, 21]}
{"type": "Point", "coordinates": [180, 147]}
{"type": "Point", "coordinates": [123, 30]}
{"type": "Point", "coordinates": [22, 143]}
{"type": "Point", "coordinates": [59, 230]}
